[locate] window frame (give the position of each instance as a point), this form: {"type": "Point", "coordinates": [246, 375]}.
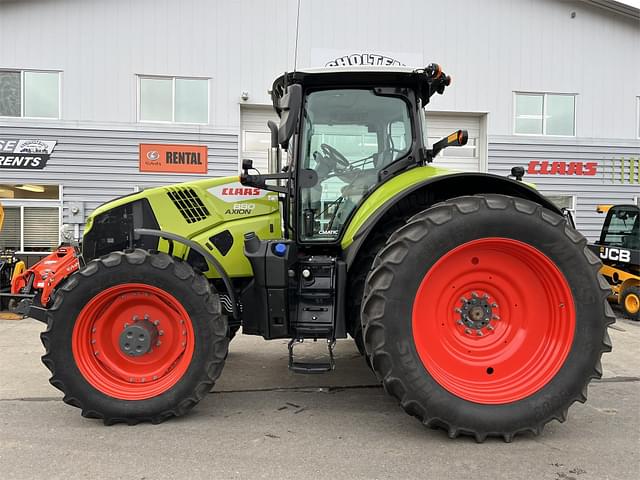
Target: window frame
{"type": "Point", "coordinates": [544, 112]}
{"type": "Point", "coordinates": [21, 203]}
{"type": "Point", "coordinates": [22, 71]}
{"type": "Point", "coordinates": [173, 78]}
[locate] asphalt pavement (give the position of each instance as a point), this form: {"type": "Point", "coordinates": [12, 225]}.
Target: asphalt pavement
{"type": "Point", "coordinates": [262, 421]}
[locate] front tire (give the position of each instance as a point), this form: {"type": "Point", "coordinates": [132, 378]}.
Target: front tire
{"type": "Point", "coordinates": [135, 336]}
{"type": "Point", "coordinates": [630, 301]}
{"type": "Point", "coordinates": [486, 316]}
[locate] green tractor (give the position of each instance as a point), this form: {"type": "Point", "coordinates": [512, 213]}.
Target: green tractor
{"type": "Point", "coordinates": [474, 301]}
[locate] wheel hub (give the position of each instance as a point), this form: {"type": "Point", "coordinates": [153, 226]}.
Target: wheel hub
{"type": "Point", "coordinates": [138, 338]}
{"type": "Point", "coordinates": [476, 313]}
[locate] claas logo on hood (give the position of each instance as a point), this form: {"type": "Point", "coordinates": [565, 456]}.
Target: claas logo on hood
{"type": "Point", "coordinates": [228, 191]}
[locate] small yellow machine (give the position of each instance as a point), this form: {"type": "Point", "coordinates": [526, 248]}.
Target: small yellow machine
{"type": "Point", "coordinates": [619, 250]}
{"type": "Point", "coordinates": [10, 266]}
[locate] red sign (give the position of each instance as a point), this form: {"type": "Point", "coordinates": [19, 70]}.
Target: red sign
{"type": "Point", "coordinates": [173, 158]}
{"type": "Point", "coordinates": [544, 167]}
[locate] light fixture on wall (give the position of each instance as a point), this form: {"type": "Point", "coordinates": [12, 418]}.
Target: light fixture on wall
{"type": "Point", "coordinates": [31, 188]}
{"type": "Point", "coordinates": [6, 193]}
{"type": "Point", "coordinates": [244, 96]}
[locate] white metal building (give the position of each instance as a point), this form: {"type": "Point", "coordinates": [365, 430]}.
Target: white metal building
{"type": "Point", "coordinates": [550, 85]}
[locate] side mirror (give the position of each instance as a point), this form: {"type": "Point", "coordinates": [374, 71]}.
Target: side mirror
{"type": "Point", "coordinates": [289, 107]}
{"type": "Point", "coordinates": [247, 165]}
{"type": "Point", "coordinates": [456, 139]}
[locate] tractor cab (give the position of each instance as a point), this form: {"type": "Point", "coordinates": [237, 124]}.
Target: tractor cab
{"type": "Point", "coordinates": [621, 228]}
{"type": "Point", "coordinates": [346, 131]}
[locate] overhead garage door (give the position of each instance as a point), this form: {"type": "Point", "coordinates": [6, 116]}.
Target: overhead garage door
{"type": "Point", "coordinates": [471, 157]}
{"type": "Point", "coordinates": [255, 136]}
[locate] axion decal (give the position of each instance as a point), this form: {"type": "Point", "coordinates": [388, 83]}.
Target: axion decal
{"type": "Point", "coordinates": [234, 192]}
{"type": "Point", "coordinates": [241, 209]}
{"type": "Point", "coordinates": [173, 158]}
{"type": "Point", "coordinates": [615, 254]}
{"type": "Point", "coordinates": [544, 167]}
{"type": "Point", "coordinates": [363, 59]}
{"type": "Point", "coordinates": [25, 154]}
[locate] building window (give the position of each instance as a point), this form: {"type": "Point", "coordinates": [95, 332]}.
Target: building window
{"type": "Point", "coordinates": [31, 217]}
{"type": "Point", "coordinates": [173, 99]}
{"type": "Point", "coordinates": [564, 202]}
{"type": "Point", "coordinates": [545, 114]}
{"type": "Point", "coordinates": [29, 93]}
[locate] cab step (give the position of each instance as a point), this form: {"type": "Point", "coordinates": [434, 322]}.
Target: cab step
{"type": "Point", "coordinates": [311, 367]}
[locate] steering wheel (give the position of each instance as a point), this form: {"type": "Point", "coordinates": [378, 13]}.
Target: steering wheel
{"type": "Point", "coordinates": [336, 158]}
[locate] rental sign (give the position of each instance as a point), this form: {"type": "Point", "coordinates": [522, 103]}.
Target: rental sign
{"type": "Point", "coordinates": [173, 158]}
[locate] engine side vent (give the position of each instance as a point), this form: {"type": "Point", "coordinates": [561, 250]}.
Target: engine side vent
{"type": "Point", "coordinates": [189, 204]}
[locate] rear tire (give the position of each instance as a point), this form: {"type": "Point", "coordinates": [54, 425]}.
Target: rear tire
{"type": "Point", "coordinates": [505, 379]}
{"type": "Point", "coordinates": [630, 301]}
{"type": "Point", "coordinates": [85, 338]}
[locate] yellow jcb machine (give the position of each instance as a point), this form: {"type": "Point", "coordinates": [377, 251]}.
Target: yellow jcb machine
{"type": "Point", "coordinates": [619, 250]}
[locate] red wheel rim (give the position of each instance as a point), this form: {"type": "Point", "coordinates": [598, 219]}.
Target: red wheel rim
{"type": "Point", "coordinates": [98, 331]}
{"type": "Point", "coordinates": [518, 301]}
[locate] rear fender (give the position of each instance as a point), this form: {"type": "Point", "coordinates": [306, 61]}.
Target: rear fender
{"type": "Point", "coordinates": [437, 188]}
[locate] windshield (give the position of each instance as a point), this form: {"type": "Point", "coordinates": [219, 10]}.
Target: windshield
{"type": "Point", "coordinates": [348, 136]}
{"type": "Point", "coordinates": [624, 228]}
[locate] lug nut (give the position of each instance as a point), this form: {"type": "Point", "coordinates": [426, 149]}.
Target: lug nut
{"type": "Point", "coordinates": [489, 327]}
{"type": "Point", "coordinates": [479, 333]}
{"type": "Point", "coordinates": [496, 317]}
{"type": "Point", "coordinates": [467, 331]}
{"type": "Point", "coordinates": [156, 323]}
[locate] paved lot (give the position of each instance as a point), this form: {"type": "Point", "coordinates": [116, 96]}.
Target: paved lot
{"type": "Point", "coordinates": [263, 422]}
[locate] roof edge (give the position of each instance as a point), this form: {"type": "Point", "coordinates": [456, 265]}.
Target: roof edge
{"type": "Point", "coordinates": [616, 7]}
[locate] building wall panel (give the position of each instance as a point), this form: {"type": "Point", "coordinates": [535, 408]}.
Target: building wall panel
{"type": "Point", "coordinates": [615, 182]}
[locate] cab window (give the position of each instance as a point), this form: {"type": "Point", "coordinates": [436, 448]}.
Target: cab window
{"type": "Point", "coordinates": [348, 136]}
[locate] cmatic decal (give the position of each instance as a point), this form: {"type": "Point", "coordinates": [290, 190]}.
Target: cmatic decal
{"type": "Point", "coordinates": [363, 59]}
{"type": "Point", "coordinates": [234, 192]}
{"type": "Point", "coordinates": [544, 167]}
{"type": "Point", "coordinates": [173, 158]}
{"type": "Point", "coordinates": [25, 154]}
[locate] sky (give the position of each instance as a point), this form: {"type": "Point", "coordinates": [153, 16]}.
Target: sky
{"type": "Point", "coordinates": [635, 3]}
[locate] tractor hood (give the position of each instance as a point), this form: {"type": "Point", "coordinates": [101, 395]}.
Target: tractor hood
{"type": "Point", "coordinates": [213, 212]}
